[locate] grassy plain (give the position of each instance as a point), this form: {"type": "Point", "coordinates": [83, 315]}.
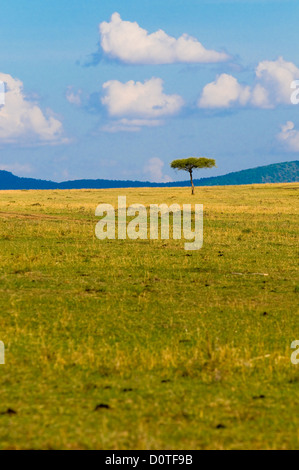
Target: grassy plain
{"type": "Point", "coordinates": [139, 344]}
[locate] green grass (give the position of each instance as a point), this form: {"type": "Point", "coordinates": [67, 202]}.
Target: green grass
{"type": "Point", "coordinates": [188, 350]}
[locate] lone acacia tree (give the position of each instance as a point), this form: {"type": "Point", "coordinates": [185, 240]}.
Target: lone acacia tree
{"type": "Point", "coordinates": [190, 164]}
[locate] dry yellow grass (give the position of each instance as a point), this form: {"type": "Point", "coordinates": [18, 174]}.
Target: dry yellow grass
{"type": "Point", "coordinates": [188, 350]}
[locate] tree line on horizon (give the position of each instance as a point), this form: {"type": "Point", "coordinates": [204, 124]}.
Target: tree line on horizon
{"type": "Point", "coordinates": [286, 172]}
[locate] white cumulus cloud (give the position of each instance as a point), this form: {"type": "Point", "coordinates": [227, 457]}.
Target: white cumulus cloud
{"type": "Point", "coordinates": [128, 42]}
{"type": "Point", "coordinates": [22, 121]}
{"type": "Point", "coordinates": [276, 78]}
{"type": "Point", "coordinates": [289, 136]}
{"type": "Point", "coordinates": [154, 171]}
{"type": "Point", "coordinates": [224, 92]}
{"type": "Point", "coordinates": [272, 87]}
{"type": "Point", "coordinates": [138, 104]}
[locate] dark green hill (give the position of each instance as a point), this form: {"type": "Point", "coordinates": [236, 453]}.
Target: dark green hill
{"type": "Point", "coordinates": [287, 172]}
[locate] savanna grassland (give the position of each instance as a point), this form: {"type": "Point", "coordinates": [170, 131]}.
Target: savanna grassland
{"type": "Point", "coordinates": [139, 344]}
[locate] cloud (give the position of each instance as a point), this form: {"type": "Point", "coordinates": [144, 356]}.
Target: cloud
{"type": "Point", "coordinates": [224, 92]}
{"type": "Point", "coordinates": [276, 77]}
{"type": "Point", "coordinates": [16, 168]}
{"type": "Point", "coordinates": [272, 87]}
{"type": "Point", "coordinates": [74, 97]}
{"type": "Point", "coordinates": [132, 44]}
{"type": "Point", "coordinates": [22, 121]}
{"type": "Point", "coordinates": [154, 171]}
{"type": "Point", "coordinates": [131, 125]}
{"type": "Point", "coordinates": [289, 136]}
{"type": "Point", "coordinates": [144, 100]}
{"type": "Point", "coordinates": [138, 104]}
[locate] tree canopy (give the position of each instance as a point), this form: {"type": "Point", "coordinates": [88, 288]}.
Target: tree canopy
{"type": "Point", "coordinates": [192, 163]}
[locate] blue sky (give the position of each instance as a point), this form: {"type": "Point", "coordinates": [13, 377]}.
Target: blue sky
{"type": "Point", "coordinates": [122, 103]}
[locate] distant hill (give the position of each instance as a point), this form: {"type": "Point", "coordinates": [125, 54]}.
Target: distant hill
{"type": "Point", "coordinates": [287, 172]}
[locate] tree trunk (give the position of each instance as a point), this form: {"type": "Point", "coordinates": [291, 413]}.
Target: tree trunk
{"type": "Point", "coordinates": [192, 185]}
